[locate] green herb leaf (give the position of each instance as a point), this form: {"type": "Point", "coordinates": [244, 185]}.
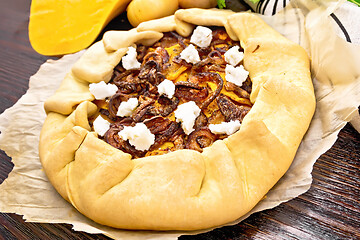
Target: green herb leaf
{"type": "Point", "coordinates": [254, 1]}
{"type": "Point", "coordinates": [221, 4]}
{"type": "Point", "coordinates": [357, 2]}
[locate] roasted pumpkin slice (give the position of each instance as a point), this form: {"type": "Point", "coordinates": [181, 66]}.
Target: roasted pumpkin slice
{"type": "Point", "coordinates": [61, 27]}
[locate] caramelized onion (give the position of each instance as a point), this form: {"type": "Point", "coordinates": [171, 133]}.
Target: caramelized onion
{"type": "Point", "coordinates": [129, 82]}
{"type": "Point", "coordinates": [213, 62]}
{"type": "Point", "coordinates": [247, 85]}
{"type": "Point", "coordinates": [216, 117]}
{"type": "Point", "coordinates": [157, 124]}
{"type": "Point", "coordinates": [188, 91]}
{"type": "Point", "coordinates": [163, 128]}
{"type": "Point", "coordinates": [160, 55]}
{"type": "Point", "coordinates": [178, 60]}
{"type": "Point", "coordinates": [200, 138]}
{"type": "Point", "coordinates": [148, 71]}
{"type": "Point", "coordinates": [112, 137]}
{"type": "Point", "coordinates": [216, 58]}
{"type": "Point", "coordinates": [118, 76]}
{"type": "Point", "coordinates": [114, 103]}
{"type": "Point", "coordinates": [230, 110]}
{"type": "Point", "coordinates": [236, 89]}
{"type": "Point", "coordinates": [211, 77]}
{"type": "Point", "coordinates": [200, 66]}
{"type": "Point", "coordinates": [165, 106]}
{"type": "Point", "coordinates": [167, 41]}
{"type": "Point", "coordinates": [142, 111]}
{"type": "Point", "coordinates": [201, 121]}
{"type": "Point", "coordinates": [203, 52]}
{"type": "Point", "coordinates": [178, 138]}
{"type": "Point", "coordinates": [141, 51]}
{"type": "Point", "coordinates": [183, 42]}
{"type": "Point", "coordinates": [220, 37]}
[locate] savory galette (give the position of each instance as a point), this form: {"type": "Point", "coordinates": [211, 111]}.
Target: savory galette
{"type": "Point", "coordinates": [182, 123]}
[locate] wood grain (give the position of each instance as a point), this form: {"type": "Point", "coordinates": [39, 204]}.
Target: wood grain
{"type": "Point", "coordinates": [329, 210]}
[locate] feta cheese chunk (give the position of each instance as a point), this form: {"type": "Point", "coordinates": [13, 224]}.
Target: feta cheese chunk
{"type": "Point", "coordinates": [129, 61]}
{"type": "Point", "coordinates": [102, 90]}
{"type": "Point", "coordinates": [225, 127]}
{"type": "Point", "coordinates": [101, 126]}
{"type": "Point", "coordinates": [190, 54]}
{"type": "Point", "coordinates": [127, 108]}
{"type": "Point", "coordinates": [186, 113]}
{"type": "Point", "coordinates": [139, 136]}
{"type": "Point", "coordinates": [166, 88]}
{"type": "Point", "coordinates": [201, 36]}
{"type": "Point", "coordinates": [233, 56]}
{"type": "Point", "coordinates": [236, 75]}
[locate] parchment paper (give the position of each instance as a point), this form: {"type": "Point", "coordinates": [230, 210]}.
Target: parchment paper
{"type": "Point", "coordinates": [336, 72]}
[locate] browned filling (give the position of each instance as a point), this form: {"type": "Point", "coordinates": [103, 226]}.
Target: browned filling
{"type": "Point", "coordinates": [204, 83]}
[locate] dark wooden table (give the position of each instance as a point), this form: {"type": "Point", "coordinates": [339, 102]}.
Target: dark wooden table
{"type": "Point", "coordinates": [329, 210]}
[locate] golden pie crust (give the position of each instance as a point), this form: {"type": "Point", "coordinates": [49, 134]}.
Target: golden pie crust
{"type": "Point", "coordinates": [185, 189]}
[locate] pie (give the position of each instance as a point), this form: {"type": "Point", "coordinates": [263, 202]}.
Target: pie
{"type": "Point", "coordinates": [158, 160]}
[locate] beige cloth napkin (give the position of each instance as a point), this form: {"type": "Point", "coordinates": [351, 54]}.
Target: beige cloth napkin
{"type": "Point", "coordinates": [336, 72]}
{"type": "Point", "coordinates": [345, 20]}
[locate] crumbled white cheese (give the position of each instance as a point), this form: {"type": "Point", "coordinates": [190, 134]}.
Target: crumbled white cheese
{"type": "Point", "coordinates": [236, 75]}
{"type": "Point", "coordinates": [127, 108]}
{"type": "Point", "coordinates": [101, 125]}
{"type": "Point", "coordinates": [201, 36]}
{"type": "Point", "coordinates": [166, 88]}
{"type": "Point", "coordinates": [139, 136]}
{"type": "Point", "coordinates": [129, 61]}
{"type": "Point", "coordinates": [233, 56]}
{"type": "Point", "coordinates": [102, 90]}
{"type": "Point", "coordinates": [190, 54]}
{"type": "Point", "coordinates": [186, 113]}
{"type": "Point", "coordinates": [225, 127]}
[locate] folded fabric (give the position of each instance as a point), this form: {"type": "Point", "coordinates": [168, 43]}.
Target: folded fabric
{"type": "Point", "coordinates": [345, 20]}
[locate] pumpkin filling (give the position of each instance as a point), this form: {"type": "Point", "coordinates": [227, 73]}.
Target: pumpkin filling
{"type": "Point", "coordinates": [176, 94]}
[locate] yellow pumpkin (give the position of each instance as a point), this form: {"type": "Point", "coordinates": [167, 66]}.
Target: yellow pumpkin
{"type": "Point", "coordinates": [140, 11]}
{"type": "Point", "coordinates": [61, 27]}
